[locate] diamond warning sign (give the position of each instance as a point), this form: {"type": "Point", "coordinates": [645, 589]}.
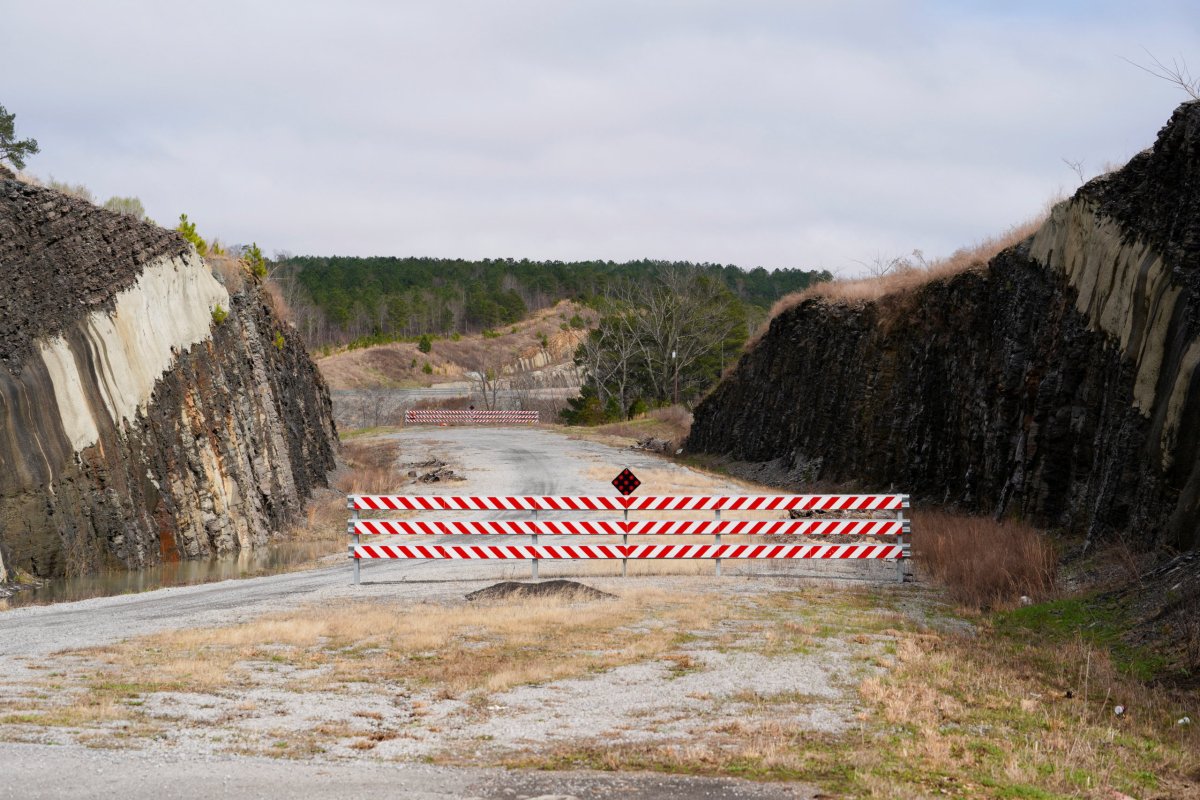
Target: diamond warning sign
{"type": "Point", "coordinates": [626, 482]}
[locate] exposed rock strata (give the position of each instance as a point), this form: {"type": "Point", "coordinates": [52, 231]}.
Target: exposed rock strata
{"type": "Point", "coordinates": [134, 428]}
{"type": "Point", "coordinates": [1059, 382]}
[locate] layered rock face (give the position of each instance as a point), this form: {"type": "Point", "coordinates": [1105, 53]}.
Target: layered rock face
{"type": "Point", "coordinates": [1058, 383]}
{"type": "Point", "coordinates": [137, 425]}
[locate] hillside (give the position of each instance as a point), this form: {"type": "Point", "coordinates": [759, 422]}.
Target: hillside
{"type": "Point", "coordinates": [339, 299]}
{"type": "Point", "coordinates": [150, 410]}
{"type": "Point", "coordinates": [1056, 383]}
{"type": "Point", "coordinates": [543, 339]}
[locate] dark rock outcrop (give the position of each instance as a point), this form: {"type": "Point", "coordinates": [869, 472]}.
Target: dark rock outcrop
{"type": "Point", "coordinates": [61, 255]}
{"type": "Point", "coordinates": [1059, 382]}
{"type": "Point", "coordinates": [146, 414]}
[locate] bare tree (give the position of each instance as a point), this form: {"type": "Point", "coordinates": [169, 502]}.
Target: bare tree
{"type": "Point", "coordinates": [1176, 72]}
{"type": "Point", "coordinates": [1076, 167]}
{"type": "Point", "coordinates": [485, 370]}
{"type": "Point", "coordinates": [881, 266]}
{"type": "Point", "coordinates": [680, 318]}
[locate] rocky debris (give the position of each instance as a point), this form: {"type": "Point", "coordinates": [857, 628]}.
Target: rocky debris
{"type": "Point", "coordinates": [440, 474]}
{"type": "Point", "coordinates": [436, 471]}
{"type": "Point", "coordinates": [654, 445]}
{"type": "Point", "coordinates": [803, 513]}
{"type": "Point", "coordinates": [514, 590]}
{"type": "Point", "coordinates": [991, 389]}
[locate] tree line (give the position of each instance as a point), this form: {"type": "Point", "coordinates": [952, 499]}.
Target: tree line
{"type": "Point", "coordinates": [340, 300]}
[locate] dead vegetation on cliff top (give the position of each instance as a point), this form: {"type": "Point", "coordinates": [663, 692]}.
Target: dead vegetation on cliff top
{"type": "Point", "coordinates": [904, 276]}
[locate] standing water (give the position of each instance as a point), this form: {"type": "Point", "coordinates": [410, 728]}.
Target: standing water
{"type": "Point", "coordinates": [278, 557]}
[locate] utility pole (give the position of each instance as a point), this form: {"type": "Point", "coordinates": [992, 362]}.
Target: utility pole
{"type": "Point", "coordinates": [675, 361]}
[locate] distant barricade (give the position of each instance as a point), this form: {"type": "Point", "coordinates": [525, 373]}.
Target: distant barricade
{"type": "Point", "coordinates": [821, 516]}
{"type": "Point", "coordinates": [437, 416]}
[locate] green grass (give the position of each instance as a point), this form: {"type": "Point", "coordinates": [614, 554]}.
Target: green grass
{"type": "Point", "coordinates": [1099, 622]}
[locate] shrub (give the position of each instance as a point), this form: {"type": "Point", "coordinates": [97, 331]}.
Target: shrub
{"type": "Point", "coordinates": [256, 262]}
{"type": "Point", "coordinates": [219, 315]}
{"type": "Point", "coordinates": [587, 409]}
{"type": "Point", "coordinates": [129, 206]}
{"type": "Point", "coordinates": [577, 322]}
{"type": "Point", "coordinates": [279, 340]}
{"type": "Point", "coordinates": [427, 369]}
{"type": "Point", "coordinates": [188, 231]}
{"type": "Point", "coordinates": [984, 563]}
{"type": "Point", "coordinates": [425, 344]}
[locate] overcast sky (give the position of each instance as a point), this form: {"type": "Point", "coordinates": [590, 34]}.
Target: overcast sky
{"type": "Point", "coordinates": [781, 134]}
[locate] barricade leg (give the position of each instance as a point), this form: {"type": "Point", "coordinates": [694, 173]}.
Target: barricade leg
{"type": "Point", "coordinates": [625, 541]}
{"type": "Point", "coordinates": [718, 542]}
{"type": "Point", "coordinates": [357, 561]}
{"type": "Point", "coordinates": [535, 561]}
{"type": "Point", "coordinates": [901, 540]}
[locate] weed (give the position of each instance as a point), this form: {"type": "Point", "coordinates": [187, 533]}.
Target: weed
{"type": "Point", "coordinates": [984, 563]}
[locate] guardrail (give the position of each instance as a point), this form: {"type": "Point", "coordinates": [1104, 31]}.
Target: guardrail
{"type": "Point", "coordinates": [818, 522]}
{"type": "Point", "coordinates": [437, 416]}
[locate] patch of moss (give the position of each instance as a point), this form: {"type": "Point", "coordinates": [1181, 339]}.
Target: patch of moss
{"type": "Point", "coordinates": [1101, 622]}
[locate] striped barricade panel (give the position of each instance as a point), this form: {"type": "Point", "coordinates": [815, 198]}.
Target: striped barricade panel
{"type": "Point", "coordinates": [780, 502]}
{"type": "Point", "coordinates": [773, 502]}
{"type": "Point", "coordinates": [728, 527]}
{"type": "Point", "coordinates": [457, 416]}
{"type": "Point", "coordinates": [634, 551]}
{"type": "Point", "coordinates": [405, 502]}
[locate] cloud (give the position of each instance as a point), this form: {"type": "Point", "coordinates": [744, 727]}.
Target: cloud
{"type": "Point", "coordinates": [773, 133]}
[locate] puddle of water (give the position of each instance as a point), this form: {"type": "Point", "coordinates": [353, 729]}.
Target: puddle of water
{"type": "Point", "coordinates": [278, 557]}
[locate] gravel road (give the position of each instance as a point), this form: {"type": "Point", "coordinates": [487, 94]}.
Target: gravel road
{"type": "Point", "coordinates": [495, 461]}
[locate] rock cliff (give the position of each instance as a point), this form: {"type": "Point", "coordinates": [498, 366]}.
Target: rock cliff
{"type": "Point", "coordinates": [146, 412]}
{"type": "Point", "coordinates": [1057, 382]}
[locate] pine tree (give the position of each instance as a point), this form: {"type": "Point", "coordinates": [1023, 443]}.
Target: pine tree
{"type": "Point", "coordinates": [10, 148]}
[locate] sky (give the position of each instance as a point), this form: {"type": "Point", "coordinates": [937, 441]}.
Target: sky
{"type": "Point", "coordinates": [756, 132]}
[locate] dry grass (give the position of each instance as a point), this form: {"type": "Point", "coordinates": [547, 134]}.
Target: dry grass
{"type": "Point", "coordinates": [230, 271]}
{"type": "Point", "coordinates": [671, 424]}
{"type": "Point", "coordinates": [984, 714]}
{"type": "Point", "coordinates": [446, 649]}
{"type": "Point", "coordinates": [690, 481]}
{"type": "Point", "coordinates": [278, 302]}
{"type": "Point", "coordinates": [372, 467]}
{"type": "Point", "coordinates": [984, 563]}
{"type": "Point", "coordinates": [907, 277]}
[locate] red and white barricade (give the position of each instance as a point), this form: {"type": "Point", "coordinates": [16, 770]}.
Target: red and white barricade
{"type": "Point", "coordinates": [784, 534]}
{"type": "Point", "coordinates": [439, 416]}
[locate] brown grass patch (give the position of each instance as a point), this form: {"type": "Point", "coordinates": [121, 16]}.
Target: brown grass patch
{"type": "Point", "coordinates": [672, 424]}
{"type": "Point", "coordinates": [453, 649]}
{"type": "Point", "coordinates": [984, 563]}
{"type": "Point", "coordinates": [372, 467]}
{"type": "Point", "coordinates": [231, 271]}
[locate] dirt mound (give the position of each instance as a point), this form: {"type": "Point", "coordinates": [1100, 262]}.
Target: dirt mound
{"type": "Point", "coordinates": [513, 590]}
